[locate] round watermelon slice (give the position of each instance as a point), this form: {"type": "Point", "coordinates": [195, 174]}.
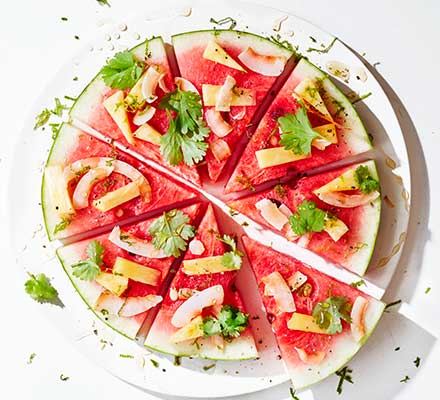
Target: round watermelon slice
{"type": "Point", "coordinates": [351, 135]}
{"type": "Point", "coordinates": [72, 145]}
{"type": "Point", "coordinates": [89, 109]}
{"type": "Point", "coordinates": [203, 69]}
{"type": "Point", "coordinates": [354, 248]}
{"type": "Point", "coordinates": [160, 335]}
{"type": "Point", "coordinates": [109, 307]}
{"type": "Point", "coordinates": [310, 357]}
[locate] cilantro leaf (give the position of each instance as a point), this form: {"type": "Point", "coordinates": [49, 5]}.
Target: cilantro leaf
{"type": "Point", "coordinates": [364, 179]}
{"type": "Point", "coordinates": [171, 232]}
{"type": "Point", "coordinates": [308, 218]}
{"type": "Point", "coordinates": [122, 71]}
{"type": "Point", "coordinates": [229, 323]}
{"type": "Point", "coordinates": [296, 132]}
{"type": "Point", "coordinates": [61, 225]}
{"type": "Point", "coordinates": [231, 259]}
{"type": "Point", "coordinates": [88, 270]}
{"type": "Point", "coordinates": [40, 288]}
{"type": "Point", "coordinates": [187, 131]}
{"type": "Point", "coordinates": [329, 313]}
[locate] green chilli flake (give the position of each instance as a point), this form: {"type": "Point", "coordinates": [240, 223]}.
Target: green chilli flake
{"type": "Point", "coordinates": [392, 304]}
{"type": "Point", "coordinates": [31, 358]}
{"type": "Point", "coordinates": [323, 50]}
{"type": "Point", "coordinates": [154, 362]}
{"type": "Point", "coordinates": [177, 361]}
{"type": "Point", "coordinates": [358, 283]}
{"type": "Point", "coordinates": [126, 356]}
{"type": "Point", "coordinates": [362, 97]}
{"type": "Point", "coordinates": [427, 290]}
{"type": "Point", "coordinates": [344, 375]}
{"type": "Point", "coordinates": [293, 394]}
{"type": "Point", "coordinates": [405, 380]}
{"type": "Point", "coordinates": [417, 362]}
{"type": "Point", "coordinates": [224, 21]}
{"type": "Point", "coordinates": [208, 367]}
{"type": "Point", "coordinates": [64, 377]}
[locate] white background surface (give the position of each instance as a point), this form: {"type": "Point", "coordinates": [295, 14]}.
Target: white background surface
{"type": "Point", "coordinates": [402, 36]}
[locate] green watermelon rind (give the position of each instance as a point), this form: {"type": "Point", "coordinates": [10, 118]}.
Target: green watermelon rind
{"type": "Point", "coordinates": [155, 338]}
{"type": "Point", "coordinates": [363, 142]}
{"type": "Point", "coordinates": [223, 34]}
{"type": "Point", "coordinates": [361, 259]}
{"type": "Point", "coordinates": [113, 321]}
{"type": "Point", "coordinates": [334, 366]}
{"type": "Point", "coordinates": [90, 94]}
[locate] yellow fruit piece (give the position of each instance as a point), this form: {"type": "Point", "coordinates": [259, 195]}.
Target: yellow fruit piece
{"type": "Point", "coordinates": [346, 181]}
{"type": "Point", "coordinates": [304, 323]}
{"type": "Point", "coordinates": [335, 227]}
{"type": "Point", "coordinates": [117, 197]}
{"type": "Point", "coordinates": [277, 156]}
{"type": "Point", "coordinates": [240, 96]}
{"type": "Point", "coordinates": [216, 53]}
{"type": "Point", "coordinates": [136, 272]}
{"type": "Point", "coordinates": [204, 265]}
{"type": "Point", "coordinates": [191, 331]}
{"type": "Point", "coordinates": [113, 283]}
{"type": "Point", "coordinates": [115, 107]}
{"type": "Point", "coordinates": [309, 92]}
{"type": "Point", "coordinates": [327, 131]}
{"type": "Point", "coordinates": [147, 133]}
{"type": "Point", "coordinates": [58, 193]}
{"type": "Point", "coordinates": [136, 91]}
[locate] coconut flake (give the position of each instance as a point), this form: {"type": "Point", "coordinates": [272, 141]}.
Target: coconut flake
{"type": "Point", "coordinates": [149, 84]}
{"type": "Point", "coordinates": [277, 25]}
{"type": "Point", "coordinates": [216, 123]}
{"type": "Point", "coordinates": [343, 200]}
{"type": "Point", "coordinates": [224, 96]}
{"type": "Point", "coordinates": [220, 150]}
{"type": "Point", "coordinates": [276, 287]}
{"type": "Point", "coordinates": [195, 304]}
{"type": "Point", "coordinates": [263, 64]}
{"type": "Point", "coordinates": [196, 247]}
{"type": "Point", "coordinates": [137, 305]}
{"type": "Point", "coordinates": [311, 359]}
{"type": "Point", "coordinates": [272, 215]}
{"type": "Point", "coordinates": [357, 315]}
{"type": "Point", "coordinates": [296, 280]}
{"type": "Point", "coordinates": [142, 117]}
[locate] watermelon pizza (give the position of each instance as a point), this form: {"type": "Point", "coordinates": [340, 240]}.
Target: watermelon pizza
{"type": "Point", "coordinates": [233, 72]}
{"type": "Point", "coordinates": [335, 214]}
{"type": "Point", "coordinates": [203, 314]}
{"type": "Point", "coordinates": [88, 183]}
{"type": "Point", "coordinates": [319, 322]}
{"type": "Point", "coordinates": [119, 274]}
{"type": "Point", "coordinates": [127, 110]}
{"type": "Point", "coordinates": [310, 123]}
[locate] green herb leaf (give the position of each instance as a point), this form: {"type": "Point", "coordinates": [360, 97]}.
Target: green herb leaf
{"type": "Point", "coordinates": [126, 355]}
{"type": "Point", "coordinates": [392, 304]}
{"type": "Point", "coordinates": [358, 283]}
{"type": "Point", "coordinates": [296, 132]}
{"type": "Point", "coordinates": [229, 323]}
{"type": "Point", "coordinates": [324, 49]}
{"type": "Point", "coordinates": [280, 42]}
{"type": "Point", "coordinates": [186, 134]}
{"type": "Point", "coordinates": [208, 367]}
{"type": "Point", "coordinates": [31, 358]}
{"type": "Point", "coordinates": [364, 179]}
{"type": "Point", "coordinates": [88, 270]}
{"type": "Point", "coordinates": [308, 218]}
{"type": "Point", "coordinates": [42, 118]}
{"type": "Point", "coordinates": [405, 380]}
{"type": "Point", "coordinates": [171, 232]}
{"type": "Point", "coordinates": [223, 21]}
{"type": "Point", "coordinates": [344, 375]}
{"type": "Point", "coordinates": [40, 288]}
{"type": "Point", "coordinates": [293, 394]}
{"type": "Point", "coordinates": [329, 313]}
{"type": "Point", "coordinates": [122, 71]}
{"type": "Point", "coordinates": [64, 377]}
{"type": "Point", "coordinates": [231, 259]}
{"type": "Point", "coordinates": [417, 362]}
{"type": "Point", "coordinates": [154, 362]}
{"type": "Point", "coordinates": [104, 3]}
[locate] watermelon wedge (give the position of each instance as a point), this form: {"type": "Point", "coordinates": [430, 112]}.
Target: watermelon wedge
{"type": "Point", "coordinates": [143, 137]}
{"type": "Point", "coordinates": [120, 295]}
{"type": "Point", "coordinates": [196, 279]}
{"type": "Point", "coordinates": [312, 347]}
{"type": "Point", "coordinates": [349, 233]}
{"type": "Point", "coordinates": [341, 131]}
{"type": "Point", "coordinates": [232, 71]}
{"type": "Point", "coordinates": [87, 184]}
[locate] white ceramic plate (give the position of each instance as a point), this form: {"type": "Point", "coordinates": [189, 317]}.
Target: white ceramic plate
{"type": "Point", "coordinates": [35, 254]}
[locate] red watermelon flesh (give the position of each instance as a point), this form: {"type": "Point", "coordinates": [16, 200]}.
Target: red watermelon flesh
{"type": "Point", "coordinates": [264, 261]}
{"type": "Point", "coordinates": [207, 233]}
{"type": "Point", "coordinates": [164, 191]}
{"type": "Point", "coordinates": [199, 71]}
{"type": "Point", "coordinates": [247, 172]}
{"type": "Point", "coordinates": [96, 116]}
{"type": "Point", "coordinates": [112, 251]}
{"type": "Point", "coordinates": [293, 194]}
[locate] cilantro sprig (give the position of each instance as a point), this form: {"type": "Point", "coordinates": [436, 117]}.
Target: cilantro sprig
{"type": "Point", "coordinates": [328, 314]}
{"type": "Point", "coordinates": [233, 258]}
{"type": "Point", "coordinates": [44, 116]}
{"type": "Point", "coordinates": [122, 71]}
{"type": "Point", "coordinates": [171, 232]}
{"type": "Point", "coordinates": [40, 289]}
{"type": "Point", "coordinates": [308, 218]}
{"type": "Point", "coordinates": [297, 133]}
{"type": "Point", "coordinates": [229, 323]}
{"type": "Point", "coordinates": [187, 131]}
{"type": "Point", "coordinates": [88, 270]}
{"type": "Point", "coordinates": [365, 180]}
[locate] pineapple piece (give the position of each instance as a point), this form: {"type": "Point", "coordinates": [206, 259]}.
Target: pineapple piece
{"type": "Point", "coordinates": [216, 53]}
{"type": "Point", "coordinates": [109, 302]}
{"type": "Point", "coordinates": [57, 186]}
{"type": "Point", "coordinates": [276, 156]}
{"type": "Point", "coordinates": [115, 107]}
{"type": "Point", "coordinates": [191, 331]}
{"type": "Point", "coordinates": [328, 132]}
{"type": "Point", "coordinates": [136, 272]}
{"type": "Point", "coordinates": [335, 227]}
{"type": "Point", "coordinates": [117, 197]}
{"type": "Point", "coordinates": [204, 265]}
{"type": "Point", "coordinates": [114, 283]}
{"type": "Point", "coordinates": [147, 133]}
{"type": "Point", "coordinates": [309, 92]}
{"type": "Point", "coordinates": [240, 96]}
{"type": "Point", "coordinates": [346, 181]}
{"type": "Point", "coordinates": [304, 323]}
